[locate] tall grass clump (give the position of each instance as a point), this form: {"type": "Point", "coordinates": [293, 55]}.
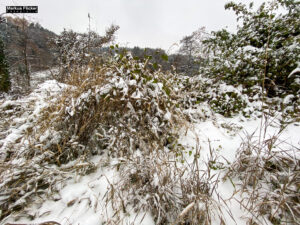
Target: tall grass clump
{"type": "Point", "coordinates": [173, 191]}
{"type": "Point", "coordinates": [268, 169]}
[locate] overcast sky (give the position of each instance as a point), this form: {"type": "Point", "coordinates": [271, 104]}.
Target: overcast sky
{"type": "Point", "coordinates": [144, 23]}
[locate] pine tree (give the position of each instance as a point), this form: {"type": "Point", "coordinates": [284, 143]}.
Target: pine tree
{"type": "Point", "coordinates": [4, 73]}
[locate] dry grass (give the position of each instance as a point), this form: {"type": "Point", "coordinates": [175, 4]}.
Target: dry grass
{"type": "Point", "coordinates": [172, 190]}
{"type": "Point", "coordinates": [126, 111]}
{"type": "Point", "coordinates": [93, 115]}
{"type": "Point", "coordinates": [270, 178]}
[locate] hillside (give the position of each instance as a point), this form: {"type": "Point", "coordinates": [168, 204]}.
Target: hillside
{"type": "Point", "coordinates": [14, 35]}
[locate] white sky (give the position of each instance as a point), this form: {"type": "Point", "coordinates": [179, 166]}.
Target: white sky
{"type": "Point", "coordinates": [144, 23]}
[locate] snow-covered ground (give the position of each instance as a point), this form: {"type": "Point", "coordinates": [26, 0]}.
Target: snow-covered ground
{"type": "Point", "coordinates": [225, 136]}
{"type": "Point", "coordinates": [83, 199]}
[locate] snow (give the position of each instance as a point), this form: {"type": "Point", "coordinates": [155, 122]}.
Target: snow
{"type": "Point", "coordinates": [288, 99]}
{"type": "Point", "coordinates": [250, 48]}
{"type": "Point", "coordinates": [297, 70]}
{"type": "Point", "coordinates": [82, 200]}
{"type": "Point", "coordinates": [6, 104]}
{"type": "Point", "coordinates": [34, 102]}
{"type": "Point", "coordinates": [85, 196]}
{"type": "Point", "coordinates": [137, 94]}
{"type": "Point", "coordinates": [211, 134]}
{"type": "Point", "coordinates": [167, 116]}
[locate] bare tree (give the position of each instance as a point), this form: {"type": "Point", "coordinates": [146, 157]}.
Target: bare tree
{"type": "Point", "coordinates": [77, 50]}
{"type": "Point", "coordinates": [24, 43]}
{"type": "Point", "coordinates": [22, 48]}
{"type": "Point", "coordinates": [192, 47]}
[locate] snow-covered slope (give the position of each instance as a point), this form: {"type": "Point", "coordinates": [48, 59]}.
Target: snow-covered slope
{"type": "Point", "coordinates": [84, 199]}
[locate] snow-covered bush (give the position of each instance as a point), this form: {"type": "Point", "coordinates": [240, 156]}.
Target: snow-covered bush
{"type": "Point", "coordinates": [226, 100]}
{"type": "Point", "coordinates": [120, 108]}
{"type": "Point", "coordinates": [264, 49]}
{"type": "Point", "coordinates": [229, 100]}
{"type": "Point", "coordinates": [117, 108]}
{"type": "Point", "coordinates": [221, 97]}
{"type": "Point", "coordinates": [77, 50]}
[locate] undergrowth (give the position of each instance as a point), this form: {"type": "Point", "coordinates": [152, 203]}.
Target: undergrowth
{"type": "Point", "coordinates": [118, 108]}
{"type": "Point", "coordinates": [172, 190]}
{"type": "Point", "coordinates": [122, 109]}
{"type": "Point", "coordinates": [270, 178]}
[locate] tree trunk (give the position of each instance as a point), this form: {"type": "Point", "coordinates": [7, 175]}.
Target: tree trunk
{"type": "Point", "coordinates": [25, 40]}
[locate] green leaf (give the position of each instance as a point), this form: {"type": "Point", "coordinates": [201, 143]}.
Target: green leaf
{"type": "Point", "coordinates": [138, 71]}
{"type": "Point", "coordinates": [164, 57]}
{"type": "Point", "coordinates": [167, 90]}
{"type": "Point", "coordinates": [155, 66]}
{"type": "Point", "coordinates": [149, 57]}
{"type": "Point", "coordinates": [231, 182]}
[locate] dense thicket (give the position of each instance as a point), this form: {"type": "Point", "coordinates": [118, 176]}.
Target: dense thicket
{"type": "Point", "coordinates": [264, 49]}
{"type": "Point", "coordinates": [117, 108]}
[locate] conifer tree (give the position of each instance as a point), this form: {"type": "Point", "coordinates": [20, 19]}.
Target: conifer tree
{"type": "Point", "coordinates": [4, 73]}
